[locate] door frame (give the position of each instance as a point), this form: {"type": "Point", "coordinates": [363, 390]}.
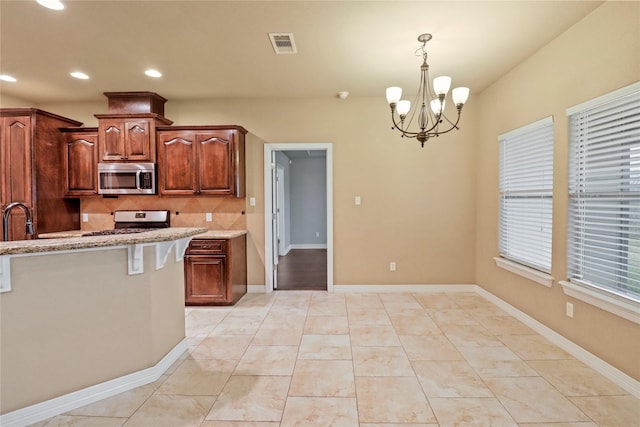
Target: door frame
{"type": "Point", "coordinates": [269, 149]}
{"type": "Point", "coordinates": [282, 212]}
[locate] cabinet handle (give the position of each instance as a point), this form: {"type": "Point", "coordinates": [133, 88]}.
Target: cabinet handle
{"type": "Point", "coordinates": [206, 247]}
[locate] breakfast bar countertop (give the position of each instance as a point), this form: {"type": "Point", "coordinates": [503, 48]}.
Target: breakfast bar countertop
{"type": "Point", "coordinates": [208, 234]}
{"type": "Point", "coordinates": [72, 240]}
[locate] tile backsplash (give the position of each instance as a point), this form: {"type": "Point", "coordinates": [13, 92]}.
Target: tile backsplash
{"type": "Point", "coordinates": [227, 213]}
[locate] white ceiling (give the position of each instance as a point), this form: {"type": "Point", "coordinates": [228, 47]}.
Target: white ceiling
{"type": "Point", "coordinates": [220, 49]}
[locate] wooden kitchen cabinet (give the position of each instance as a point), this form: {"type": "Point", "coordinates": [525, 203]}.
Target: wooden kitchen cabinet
{"type": "Point", "coordinates": [80, 159]}
{"type": "Point", "coordinates": [201, 160]}
{"type": "Point", "coordinates": [128, 137]}
{"type": "Point", "coordinates": [215, 271]}
{"type": "Point", "coordinates": [31, 171]}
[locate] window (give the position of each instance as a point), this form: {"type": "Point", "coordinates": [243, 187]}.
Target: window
{"type": "Point", "coordinates": [526, 187]}
{"type": "Point", "coordinates": [604, 193]}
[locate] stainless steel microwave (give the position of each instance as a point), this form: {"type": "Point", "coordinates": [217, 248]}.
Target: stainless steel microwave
{"type": "Point", "coordinates": [126, 178]}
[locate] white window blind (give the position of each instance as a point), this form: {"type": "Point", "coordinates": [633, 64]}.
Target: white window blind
{"type": "Point", "coordinates": [526, 187]}
{"type": "Point", "coordinates": [604, 193]}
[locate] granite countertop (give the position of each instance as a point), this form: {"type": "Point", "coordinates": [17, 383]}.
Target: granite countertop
{"type": "Point", "coordinates": [73, 240]}
{"type": "Point", "coordinates": [221, 234]}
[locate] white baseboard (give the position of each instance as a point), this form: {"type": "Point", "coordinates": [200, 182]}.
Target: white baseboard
{"type": "Point", "coordinates": [307, 246]}
{"type": "Point", "coordinates": [405, 288]}
{"type": "Point", "coordinates": [620, 378]}
{"type": "Point", "coordinates": [256, 289]}
{"type": "Point", "coordinates": [59, 405]}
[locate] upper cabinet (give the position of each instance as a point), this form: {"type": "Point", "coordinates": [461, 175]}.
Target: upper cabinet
{"type": "Point", "coordinates": [31, 165]}
{"type": "Point", "coordinates": [127, 133]}
{"type": "Point", "coordinates": [201, 160]}
{"type": "Point", "coordinates": [80, 159]}
{"type": "Point", "coordinates": [128, 137]}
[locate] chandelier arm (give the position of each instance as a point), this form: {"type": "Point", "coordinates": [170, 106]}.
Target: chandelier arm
{"type": "Point", "coordinates": [396, 126]}
{"type": "Point", "coordinates": [453, 126]}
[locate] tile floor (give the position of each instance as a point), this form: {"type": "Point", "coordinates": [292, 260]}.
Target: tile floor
{"type": "Point", "coordinates": [365, 360]}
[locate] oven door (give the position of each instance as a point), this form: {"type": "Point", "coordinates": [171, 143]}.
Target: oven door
{"type": "Point", "coordinates": [126, 178]}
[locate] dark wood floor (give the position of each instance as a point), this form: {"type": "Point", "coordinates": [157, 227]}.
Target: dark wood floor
{"type": "Point", "coordinates": [303, 270]}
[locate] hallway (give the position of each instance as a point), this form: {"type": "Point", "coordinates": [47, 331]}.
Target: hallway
{"type": "Point", "coordinates": [303, 270]}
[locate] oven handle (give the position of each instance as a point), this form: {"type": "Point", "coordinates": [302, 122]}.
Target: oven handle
{"type": "Point", "coordinates": [138, 186]}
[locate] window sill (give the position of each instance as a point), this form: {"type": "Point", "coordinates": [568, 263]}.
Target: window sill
{"type": "Point", "coordinates": [526, 272]}
{"type": "Point", "coordinates": [627, 309]}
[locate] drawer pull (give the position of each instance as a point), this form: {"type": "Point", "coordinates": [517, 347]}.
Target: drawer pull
{"type": "Point", "coordinates": [206, 247]}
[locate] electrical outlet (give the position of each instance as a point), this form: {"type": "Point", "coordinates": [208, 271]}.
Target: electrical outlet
{"type": "Point", "coordinates": [392, 266]}
{"type": "Point", "coordinates": [252, 201]}
{"type": "Point", "coordinates": [358, 201]}
{"type": "Point", "coordinates": [317, 234]}
{"type": "Point", "coordinates": [85, 217]}
{"type": "Point", "coordinates": [569, 309]}
{"type": "Point", "coordinates": [209, 217]}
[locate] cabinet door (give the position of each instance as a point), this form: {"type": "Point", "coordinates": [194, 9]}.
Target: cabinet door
{"type": "Point", "coordinates": [111, 139]}
{"type": "Point", "coordinates": [137, 141]}
{"type": "Point", "coordinates": [177, 173]}
{"type": "Point", "coordinates": [215, 162]}
{"type": "Point", "coordinates": [80, 161]}
{"type": "Point", "coordinates": [205, 280]}
{"type": "Point", "coordinates": [15, 145]}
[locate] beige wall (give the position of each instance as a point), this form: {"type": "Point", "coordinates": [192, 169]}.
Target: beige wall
{"type": "Point", "coordinates": [418, 204]}
{"type": "Point", "coordinates": [599, 54]}
{"type": "Point", "coordinates": [77, 319]}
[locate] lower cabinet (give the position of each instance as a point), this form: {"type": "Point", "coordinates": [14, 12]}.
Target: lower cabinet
{"type": "Point", "coordinates": [215, 271]}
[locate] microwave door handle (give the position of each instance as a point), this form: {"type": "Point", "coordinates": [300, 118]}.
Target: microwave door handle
{"type": "Point", "coordinates": [138, 187]}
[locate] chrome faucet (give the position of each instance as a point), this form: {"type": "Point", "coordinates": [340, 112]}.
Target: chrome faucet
{"type": "Point", "coordinates": [5, 219]}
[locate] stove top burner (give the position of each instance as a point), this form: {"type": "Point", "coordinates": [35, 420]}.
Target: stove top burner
{"type": "Point", "coordinates": [117, 231]}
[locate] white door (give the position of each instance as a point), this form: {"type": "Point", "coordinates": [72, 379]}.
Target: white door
{"type": "Point", "coordinates": [281, 211]}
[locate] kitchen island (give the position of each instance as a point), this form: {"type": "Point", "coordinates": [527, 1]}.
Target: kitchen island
{"type": "Point", "coordinates": [84, 318]}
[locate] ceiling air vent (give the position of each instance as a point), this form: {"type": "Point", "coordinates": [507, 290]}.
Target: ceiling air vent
{"type": "Point", "coordinates": [282, 43]}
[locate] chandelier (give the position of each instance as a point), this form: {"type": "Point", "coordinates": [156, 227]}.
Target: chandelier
{"type": "Point", "coordinates": [429, 104]}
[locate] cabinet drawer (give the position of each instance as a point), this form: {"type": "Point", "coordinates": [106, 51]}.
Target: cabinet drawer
{"type": "Point", "coordinates": [206, 246]}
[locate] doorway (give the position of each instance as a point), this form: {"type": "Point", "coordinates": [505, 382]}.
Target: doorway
{"type": "Point", "coordinates": [298, 216]}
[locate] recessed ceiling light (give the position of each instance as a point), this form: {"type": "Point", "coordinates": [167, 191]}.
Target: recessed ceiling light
{"type": "Point", "coordinates": [153, 73]}
{"type": "Point", "coordinates": [51, 4]}
{"type": "Point", "coordinates": [7, 78]}
{"type": "Point", "coordinates": [79, 75]}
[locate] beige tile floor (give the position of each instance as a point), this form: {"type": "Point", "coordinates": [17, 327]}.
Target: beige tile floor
{"type": "Point", "coordinates": [365, 360]}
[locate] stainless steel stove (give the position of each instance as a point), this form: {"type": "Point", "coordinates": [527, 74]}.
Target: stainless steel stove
{"type": "Point", "coordinates": [127, 222]}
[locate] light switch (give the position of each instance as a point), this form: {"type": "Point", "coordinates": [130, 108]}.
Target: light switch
{"type": "Point", "coordinates": [358, 201]}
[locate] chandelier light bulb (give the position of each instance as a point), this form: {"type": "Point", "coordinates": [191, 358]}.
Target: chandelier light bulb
{"type": "Point", "coordinates": [437, 107]}
{"type": "Point", "coordinates": [460, 95]}
{"type": "Point", "coordinates": [394, 94]}
{"type": "Point", "coordinates": [441, 85]}
{"type": "Point", "coordinates": [403, 107]}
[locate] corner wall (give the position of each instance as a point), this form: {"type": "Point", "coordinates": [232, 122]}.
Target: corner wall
{"type": "Point", "coordinates": [599, 54]}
